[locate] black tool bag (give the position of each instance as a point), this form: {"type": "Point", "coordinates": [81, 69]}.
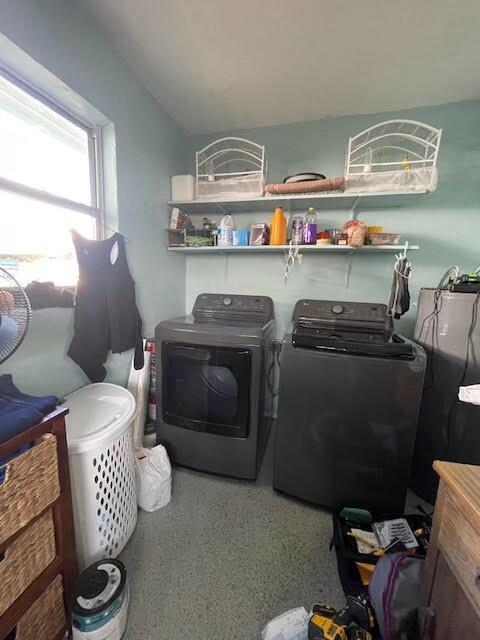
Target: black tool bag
{"type": "Point", "coordinates": [347, 552]}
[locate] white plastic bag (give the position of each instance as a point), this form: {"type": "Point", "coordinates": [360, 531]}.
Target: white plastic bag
{"type": "Point", "coordinates": [291, 625]}
{"type": "Point", "coordinates": [154, 478]}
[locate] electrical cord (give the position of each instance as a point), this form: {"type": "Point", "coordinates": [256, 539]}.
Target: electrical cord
{"type": "Point", "coordinates": [432, 320]}
{"type": "Point", "coordinates": [293, 254]}
{"type": "Point", "coordinates": [271, 368]}
{"type": "Point", "coordinates": [444, 279]}
{"type": "Point", "coordinates": [453, 271]}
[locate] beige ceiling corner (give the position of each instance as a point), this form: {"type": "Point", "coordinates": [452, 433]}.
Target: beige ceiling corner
{"type": "Point", "coordinates": [218, 65]}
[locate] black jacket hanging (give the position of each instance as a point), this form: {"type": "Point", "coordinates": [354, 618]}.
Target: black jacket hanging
{"type": "Point", "coordinates": [106, 315]}
{"type": "Point", "coordinates": [399, 302]}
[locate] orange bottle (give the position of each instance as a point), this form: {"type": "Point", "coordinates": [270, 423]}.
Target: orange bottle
{"type": "Point", "coordinates": [278, 228]}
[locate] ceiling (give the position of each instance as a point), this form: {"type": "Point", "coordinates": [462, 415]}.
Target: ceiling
{"type": "Point", "coordinates": [218, 65]}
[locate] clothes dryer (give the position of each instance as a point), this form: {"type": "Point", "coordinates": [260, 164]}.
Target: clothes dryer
{"type": "Point", "coordinates": [213, 402]}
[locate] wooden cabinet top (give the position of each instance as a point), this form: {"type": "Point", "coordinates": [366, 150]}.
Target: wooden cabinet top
{"type": "Point", "coordinates": [464, 479]}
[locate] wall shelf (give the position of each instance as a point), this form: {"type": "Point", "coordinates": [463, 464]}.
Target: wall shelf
{"type": "Point", "coordinates": [302, 249]}
{"type": "Point", "coordinates": [300, 202]}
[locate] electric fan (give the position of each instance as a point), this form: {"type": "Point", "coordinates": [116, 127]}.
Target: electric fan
{"type": "Point", "coordinates": [15, 313]}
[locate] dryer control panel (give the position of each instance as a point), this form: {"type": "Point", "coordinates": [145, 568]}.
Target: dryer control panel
{"type": "Point", "coordinates": [230, 308]}
{"type": "Point", "coordinates": [343, 313]}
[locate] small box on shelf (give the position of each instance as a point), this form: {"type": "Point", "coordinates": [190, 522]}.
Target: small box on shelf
{"type": "Point", "coordinates": [176, 237]}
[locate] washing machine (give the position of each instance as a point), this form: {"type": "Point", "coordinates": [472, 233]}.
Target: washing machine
{"type": "Point", "coordinates": [350, 391]}
{"type": "Point", "coordinates": [213, 399]}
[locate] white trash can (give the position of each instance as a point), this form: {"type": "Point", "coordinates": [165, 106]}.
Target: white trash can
{"type": "Point", "coordinates": [102, 469]}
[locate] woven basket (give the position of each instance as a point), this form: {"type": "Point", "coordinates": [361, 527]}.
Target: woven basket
{"type": "Point", "coordinates": [25, 559]}
{"type": "Point", "coordinates": [31, 485]}
{"type": "Point", "coordinates": [46, 617]}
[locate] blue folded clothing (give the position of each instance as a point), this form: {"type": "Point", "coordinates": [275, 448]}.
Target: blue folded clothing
{"type": "Point", "coordinates": [19, 411]}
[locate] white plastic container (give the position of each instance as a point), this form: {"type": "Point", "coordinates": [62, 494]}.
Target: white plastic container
{"type": "Point", "coordinates": [225, 231]}
{"type": "Point", "coordinates": [183, 187]}
{"type": "Point", "coordinates": [102, 469]}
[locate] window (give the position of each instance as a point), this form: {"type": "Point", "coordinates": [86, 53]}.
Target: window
{"type": "Point", "coordinates": [48, 186]}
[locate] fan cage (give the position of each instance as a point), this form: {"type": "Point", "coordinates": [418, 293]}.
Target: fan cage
{"type": "Point", "coordinates": [15, 315]}
{"type": "Point", "coordinates": [231, 166]}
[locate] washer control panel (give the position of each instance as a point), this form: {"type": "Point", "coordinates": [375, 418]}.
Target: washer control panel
{"type": "Point", "coordinates": [342, 312]}
{"type": "Point", "coordinates": [231, 307]}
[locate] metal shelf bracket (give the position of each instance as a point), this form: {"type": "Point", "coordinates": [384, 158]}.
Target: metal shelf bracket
{"type": "Point", "coordinates": [348, 268]}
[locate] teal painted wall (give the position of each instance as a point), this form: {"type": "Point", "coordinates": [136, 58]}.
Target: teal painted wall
{"type": "Point", "coordinates": [148, 148]}
{"type": "Point", "coordinates": [446, 223]}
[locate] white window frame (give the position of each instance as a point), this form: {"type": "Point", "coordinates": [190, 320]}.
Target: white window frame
{"type": "Point", "coordinates": [94, 133]}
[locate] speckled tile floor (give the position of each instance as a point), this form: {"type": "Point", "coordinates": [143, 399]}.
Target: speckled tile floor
{"type": "Point", "coordinates": [223, 558]}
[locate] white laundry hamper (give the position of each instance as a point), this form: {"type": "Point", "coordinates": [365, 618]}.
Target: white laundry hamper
{"type": "Point", "coordinates": [102, 469]}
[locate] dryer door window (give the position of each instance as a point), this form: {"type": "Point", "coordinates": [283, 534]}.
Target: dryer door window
{"type": "Point", "coordinates": [206, 388]}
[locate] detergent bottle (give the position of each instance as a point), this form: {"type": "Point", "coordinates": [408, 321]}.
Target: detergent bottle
{"type": "Point", "coordinates": [225, 231]}
{"type": "Point", "coordinates": [278, 227]}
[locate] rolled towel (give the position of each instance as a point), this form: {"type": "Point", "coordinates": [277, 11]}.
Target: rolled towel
{"type": "Point", "coordinates": [311, 186]}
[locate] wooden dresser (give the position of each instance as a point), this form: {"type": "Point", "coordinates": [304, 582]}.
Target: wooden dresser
{"type": "Point", "coordinates": [37, 545]}
{"type": "Point", "coordinates": [451, 586]}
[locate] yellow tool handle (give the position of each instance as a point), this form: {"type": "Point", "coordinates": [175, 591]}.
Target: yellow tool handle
{"type": "Point", "coordinates": [328, 629]}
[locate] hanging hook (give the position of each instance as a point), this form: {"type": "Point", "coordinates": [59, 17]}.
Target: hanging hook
{"type": "Point", "coordinates": [406, 270]}
{"type": "Point", "coordinates": [126, 238]}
